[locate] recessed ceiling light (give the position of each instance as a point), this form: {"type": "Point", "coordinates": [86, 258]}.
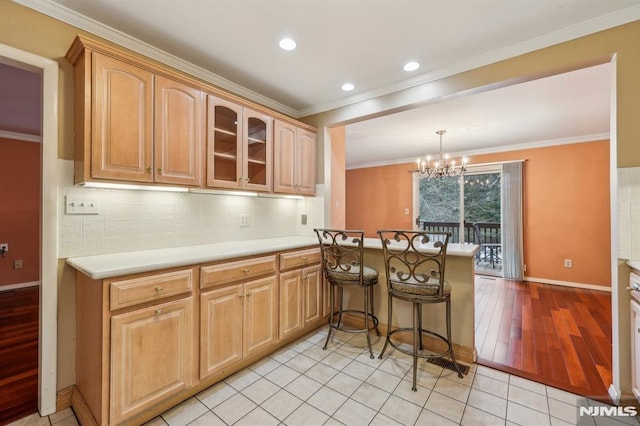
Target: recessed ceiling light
{"type": "Point", "coordinates": [347, 87]}
{"type": "Point", "coordinates": [287, 44]}
{"type": "Point", "coordinates": [411, 66]}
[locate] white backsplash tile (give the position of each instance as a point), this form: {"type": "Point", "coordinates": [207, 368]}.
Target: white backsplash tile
{"type": "Point", "coordinates": [140, 220]}
{"type": "Point", "coordinates": [629, 213]}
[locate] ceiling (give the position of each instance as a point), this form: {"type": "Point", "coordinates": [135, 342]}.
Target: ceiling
{"type": "Point", "coordinates": [367, 42]}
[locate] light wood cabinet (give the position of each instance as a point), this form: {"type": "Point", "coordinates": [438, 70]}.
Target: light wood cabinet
{"type": "Point", "coordinates": [635, 349]}
{"type": "Point", "coordinates": [135, 342]}
{"type": "Point", "coordinates": [151, 356]}
{"type": "Point", "coordinates": [294, 161]}
{"type": "Point", "coordinates": [300, 291]}
{"type": "Point", "coordinates": [237, 320]}
{"type": "Point", "coordinates": [179, 132]}
{"type": "Point", "coordinates": [120, 118]}
{"type": "Point", "coordinates": [135, 125]}
{"type": "Point", "coordinates": [239, 147]}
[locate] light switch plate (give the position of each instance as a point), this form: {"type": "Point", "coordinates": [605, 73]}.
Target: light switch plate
{"type": "Point", "coordinates": [76, 205]}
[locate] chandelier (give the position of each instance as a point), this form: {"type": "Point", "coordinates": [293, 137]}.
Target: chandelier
{"type": "Point", "coordinates": [441, 166]}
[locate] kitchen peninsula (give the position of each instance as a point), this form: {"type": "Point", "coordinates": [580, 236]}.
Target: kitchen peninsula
{"type": "Point", "coordinates": [155, 327]}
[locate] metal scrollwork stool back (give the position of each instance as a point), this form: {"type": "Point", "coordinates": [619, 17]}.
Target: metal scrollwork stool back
{"type": "Point", "coordinates": [342, 261]}
{"type": "Point", "coordinates": [415, 267]}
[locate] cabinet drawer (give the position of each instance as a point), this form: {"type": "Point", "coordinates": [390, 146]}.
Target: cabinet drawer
{"type": "Point", "coordinates": [228, 272]}
{"type": "Point", "coordinates": [299, 258]}
{"type": "Point", "coordinates": [148, 288]}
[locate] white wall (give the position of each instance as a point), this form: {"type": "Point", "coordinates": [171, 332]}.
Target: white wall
{"type": "Point", "coordinates": [140, 220]}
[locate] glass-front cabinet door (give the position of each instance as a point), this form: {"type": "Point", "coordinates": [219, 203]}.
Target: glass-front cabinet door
{"type": "Point", "coordinates": [258, 148]}
{"type": "Point", "coordinates": [239, 147]}
{"type": "Point", "coordinates": [224, 144]}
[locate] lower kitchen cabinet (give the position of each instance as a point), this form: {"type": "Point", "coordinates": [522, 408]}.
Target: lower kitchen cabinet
{"type": "Point", "coordinates": [240, 319]}
{"type": "Point", "coordinates": [151, 356]}
{"type": "Point", "coordinates": [300, 291]}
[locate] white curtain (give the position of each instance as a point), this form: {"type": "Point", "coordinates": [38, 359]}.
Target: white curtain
{"type": "Point", "coordinates": [511, 211]}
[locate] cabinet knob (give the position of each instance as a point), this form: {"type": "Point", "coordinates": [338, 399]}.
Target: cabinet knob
{"type": "Point", "coordinates": [246, 271]}
{"type": "Point", "coordinates": [149, 169]}
{"type": "Point", "coordinates": [247, 180]}
{"type": "Point", "coordinates": [158, 311]}
{"type": "Point", "coordinates": [304, 259]}
{"type": "Point", "coordinates": [159, 289]}
{"type": "Point", "coordinates": [160, 170]}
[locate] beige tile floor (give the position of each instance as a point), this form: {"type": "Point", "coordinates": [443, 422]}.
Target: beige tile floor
{"type": "Point", "coordinates": [302, 384]}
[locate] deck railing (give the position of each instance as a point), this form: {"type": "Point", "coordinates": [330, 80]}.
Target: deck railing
{"type": "Point", "coordinates": [488, 232]}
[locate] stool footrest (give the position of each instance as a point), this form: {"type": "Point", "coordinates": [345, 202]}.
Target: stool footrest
{"type": "Point", "coordinates": [421, 352]}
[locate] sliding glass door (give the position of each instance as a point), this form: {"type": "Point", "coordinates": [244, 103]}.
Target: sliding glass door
{"type": "Point", "coordinates": [469, 208]}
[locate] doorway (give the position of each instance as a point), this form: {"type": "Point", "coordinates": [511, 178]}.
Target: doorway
{"type": "Point", "coordinates": [48, 265]}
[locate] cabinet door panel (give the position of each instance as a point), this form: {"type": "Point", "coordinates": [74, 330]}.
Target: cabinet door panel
{"type": "Point", "coordinates": [179, 132]}
{"type": "Point", "coordinates": [284, 159]}
{"type": "Point", "coordinates": [122, 112]}
{"type": "Point", "coordinates": [306, 162]}
{"type": "Point", "coordinates": [151, 356]}
{"type": "Point", "coordinates": [220, 329]}
{"type": "Point", "coordinates": [258, 149]}
{"type": "Point", "coordinates": [290, 303]}
{"type": "Point", "coordinates": [312, 297]}
{"type": "Point", "coordinates": [224, 143]}
{"type": "Point", "coordinates": [635, 349]}
{"type": "Point", "coordinates": [260, 315]}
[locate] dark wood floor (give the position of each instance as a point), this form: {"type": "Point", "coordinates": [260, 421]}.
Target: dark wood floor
{"type": "Point", "coordinates": [559, 336]}
{"type": "Point", "coordinates": [18, 353]}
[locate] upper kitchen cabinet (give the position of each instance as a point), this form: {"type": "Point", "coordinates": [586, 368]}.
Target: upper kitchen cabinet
{"type": "Point", "coordinates": [239, 147]}
{"type": "Point", "coordinates": [133, 123]}
{"type": "Point", "coordinates": [294, 162]}
{"type": "Point", "coordinates": [179, 132]}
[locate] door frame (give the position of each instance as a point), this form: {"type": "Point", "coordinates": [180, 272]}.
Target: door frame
{"type": "Point", "coordinates": [48, 325]}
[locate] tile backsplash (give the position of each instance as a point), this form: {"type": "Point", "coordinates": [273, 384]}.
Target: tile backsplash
{"type": "Point", "coordinates": [629, 213]}
{"type": "Point", "coordinates": [139, 220]}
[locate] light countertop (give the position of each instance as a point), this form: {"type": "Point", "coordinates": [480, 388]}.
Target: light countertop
{"type": "Point", "coordinates": [117, 264]}
{"type": "Point", "coordinates": [634, 264]}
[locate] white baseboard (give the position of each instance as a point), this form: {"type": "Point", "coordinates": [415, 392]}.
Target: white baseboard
{"type": "Point", "coordinates": [568, 284]}
{"type": "Point", "coordinates": [20, 285]}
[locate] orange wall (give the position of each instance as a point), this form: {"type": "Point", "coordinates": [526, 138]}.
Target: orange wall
{"type": "Point", "coordinates": [377, 198]}
{"type": "Point", "coordinates": [566, 207]}
{"type": "Point", "coordinates": [20, 210]}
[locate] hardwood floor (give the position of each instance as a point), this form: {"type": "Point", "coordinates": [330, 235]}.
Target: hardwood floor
{"type": "Point", "coordinates": [559, 336]}
{"type": "Point", "coordinates": [18, 353]}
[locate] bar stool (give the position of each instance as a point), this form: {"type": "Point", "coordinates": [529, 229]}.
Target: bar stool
{"type": "Point", "coordinates": [342, 262]}
{"type": "Point", "coordinates": [415, 267]}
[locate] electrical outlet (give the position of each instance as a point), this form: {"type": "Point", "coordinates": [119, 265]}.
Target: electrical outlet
{"type": "Point", "coordinates": [406, 211]}
{"type": "Point", "coordinates": [17, 264]}
{"type": "Point", "coordinates": [4, 247]}
{"type": "Point", "coordinates": [244, 220]}
{"type": "Point", "coordinates": [303, 219]}
{"type": "Point", "coordinates": [568, 263]}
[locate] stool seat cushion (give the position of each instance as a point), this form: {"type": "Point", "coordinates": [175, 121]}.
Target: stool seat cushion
{"type": "Point", "coordinates": [411, 286]}
{"type": "Point", "coordinates": [352, 275]}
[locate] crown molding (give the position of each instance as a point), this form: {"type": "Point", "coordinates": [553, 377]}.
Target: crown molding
{"type": "Point", "coordinates": [92, 26]}
{"type": "Point", "coordinates": [506, 148]}
{"type": "Point", "coordinates": [572, 32]}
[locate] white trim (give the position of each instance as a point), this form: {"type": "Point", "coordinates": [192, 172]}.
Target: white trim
{"type": "Point", "coordinates": [48, 327]}
{"type": "Point", "coordinates": [78, 20]}
{"type": "Point", "coordinates": [493, 150]}
{"type": "Point", "coordinates": [18, 286]}
{"type": "Point", "coordinates": [25, 137]}
{"type": "Point", "coordinates": [572, 32]}
{"type": "Point", "coordinates": [569, 284]}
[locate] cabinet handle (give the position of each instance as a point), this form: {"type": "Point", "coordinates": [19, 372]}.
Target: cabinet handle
{"type": "Point", "coordinates": [240, 179]}
{"type": "Point", "coordinates": [249, 295]}
{"type": "Point", "coordinates": [304, 259]}
{"type": "Point", "coordinates": [246, 271]}
{"type": "Point", "coordinates": [149, 169]}
{"type": "Point", "coordinates": [158, 311]}
{"type": "Point", "coordinates": [247, 180]}
{"type": "Point", "coordinates": [159, 289]}
{"type": "Point", "coordinates": [160, 170]}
